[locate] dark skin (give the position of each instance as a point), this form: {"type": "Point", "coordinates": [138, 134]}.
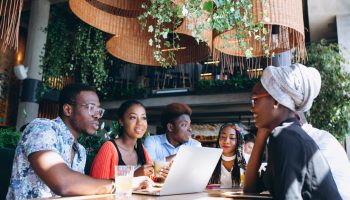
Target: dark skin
{"type": "Point", "coordinates": [268, 114]}
{"type": "Point", "coordinates": [53, 170]}
{"type": "Point", "coordinates": [134, 123]}
{"type": "Point", "coordinates": [179, 131]}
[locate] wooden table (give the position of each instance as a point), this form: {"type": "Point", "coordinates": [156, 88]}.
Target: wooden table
{"type": "Point", "coordinates": [207, 195]}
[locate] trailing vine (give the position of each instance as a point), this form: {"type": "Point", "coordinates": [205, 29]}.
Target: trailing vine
{"type": "Point", "coordinates": [160, 19]}
{"type": "Point", "coordinates": [73, 47]}
{"type": "Point", "coordinates": [214, 15]}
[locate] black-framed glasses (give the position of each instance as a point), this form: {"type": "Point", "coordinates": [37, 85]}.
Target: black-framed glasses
{"type": "Point", "coordinates": [92, 109]}
{"type": "Point", "coordinates": [256, 97]}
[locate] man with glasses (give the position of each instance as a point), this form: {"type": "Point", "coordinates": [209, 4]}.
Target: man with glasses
{"type": "Point", "coordinates": [49, 161]}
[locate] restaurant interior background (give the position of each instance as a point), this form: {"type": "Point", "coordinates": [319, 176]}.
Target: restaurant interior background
{"type": "Point", "coordinates": [218, 91]}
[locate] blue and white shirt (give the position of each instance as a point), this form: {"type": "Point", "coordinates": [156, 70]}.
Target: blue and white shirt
{"type": "Point", "coordinates": [158, 147]}
{"type": "Point", "coordinates": [42, 135]}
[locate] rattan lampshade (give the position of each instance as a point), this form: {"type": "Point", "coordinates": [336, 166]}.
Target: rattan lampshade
{"type": "Point", "coordinates": [203, 49]}
{"type": "Point", "coordinates": [10, 14]}
{"type": "Point", "coordinates": [285, 16]}
{"type": "Point", "coordinates": [135, 49]}
{"type": "Point", "coordinates": [117, 17]}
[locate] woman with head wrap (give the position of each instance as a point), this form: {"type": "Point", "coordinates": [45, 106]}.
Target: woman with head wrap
{"type": "Point", "coordinates": [296, 168]}
{"type": "Point", "coordinates": [227, 171]}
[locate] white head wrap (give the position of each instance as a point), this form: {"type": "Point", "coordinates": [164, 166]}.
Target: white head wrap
{"type": "Point", "coordinates": [294, 86]}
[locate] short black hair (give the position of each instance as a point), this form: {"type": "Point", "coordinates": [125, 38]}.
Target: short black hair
{"type": "Point", "coordinates": [249, 138]}
{"type": "Point", "coordinates": [172, 111]}
{"type": "Point", "coordinates": [69, 93]}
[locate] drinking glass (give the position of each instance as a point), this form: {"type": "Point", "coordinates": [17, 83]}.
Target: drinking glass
{"type": "Point", "coordinates": [242, 174]}
{"type": "Point", "coordinates": [123, 181]}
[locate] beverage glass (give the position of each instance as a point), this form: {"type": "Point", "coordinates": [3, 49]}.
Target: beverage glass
{"type": "Point", "coordinates": [158, 165]}
{"type": "Point", "coordinates": [123, 181]}
{"type": "Point", "coordinates": [242, 174]}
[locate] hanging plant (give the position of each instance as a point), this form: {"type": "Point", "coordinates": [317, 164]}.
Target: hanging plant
{"type": "Point", "coordinates": [89, 56]}
{"type": "Point", "coordinates": [331, 109]}
{"type": "Point", "coordinates": [224, 15]}
{"type": "Point", "coordinates": [160, 20]}
{"type": "Point", "coordinates": [73, 47]}
{"type": "Point", "coordinates": [214, 15]}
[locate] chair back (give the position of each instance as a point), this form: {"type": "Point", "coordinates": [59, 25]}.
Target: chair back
{"type": "Point", "coordinates": [6, 157]}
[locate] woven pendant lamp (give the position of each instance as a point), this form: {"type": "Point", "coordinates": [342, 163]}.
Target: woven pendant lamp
{"type": "Point", "coordinates": [117, 17]}
{"type": "Point", "coordinates": [202, 49]}
{"type": "Point", "coordinates": [135, 49]}
{"type": "Point", "coordinates": [285, 25]}
{"type": "Point", "coordinates": [10, 14]}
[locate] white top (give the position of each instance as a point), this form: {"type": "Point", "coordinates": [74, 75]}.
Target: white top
{"type": "Point", "coordinates": [246, 157]}
{"type": "Point", "coordinates": [225, 178]}
{"type": "Point", "coordinates": [335, 155]}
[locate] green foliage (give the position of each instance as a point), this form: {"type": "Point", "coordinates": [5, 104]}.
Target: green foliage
{"type": "Point", "coordinates": [9, 137]}
{"type": "Point", "coordinates": [73, 47]}
{"type": "Point", "coordinates": [331, 109]}
{"type": "Point", "coordinates": [237, 84]}
{"type": "Point", "coordinates": [93, 143]}
{"type": "Point", "coordinates": [161, 18]}
{"type": "Point", "coordinates": [217, 15]}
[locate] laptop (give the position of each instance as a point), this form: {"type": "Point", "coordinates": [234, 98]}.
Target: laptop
{"type": "Point", "coordinates": [190, 171]}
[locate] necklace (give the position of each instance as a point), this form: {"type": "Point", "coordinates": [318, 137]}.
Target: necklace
{"type": "Point", "coordinates": [227, 158]}
{"type": "Point", "coordinates": [125, 149]}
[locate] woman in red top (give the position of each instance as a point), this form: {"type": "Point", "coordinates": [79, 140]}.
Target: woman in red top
{"type": "Point", "coordinates": [127, 149]}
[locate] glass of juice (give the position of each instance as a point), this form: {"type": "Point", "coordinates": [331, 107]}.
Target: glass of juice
{"type": "Point", "coordinates": [123, 181]}
{"type": "Point", "coordinates": [242, 173]}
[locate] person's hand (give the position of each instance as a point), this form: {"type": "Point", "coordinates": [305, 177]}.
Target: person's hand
{"type": "Point", "coordinates": [144, 170]}
{"type": "Point", "coordinates": [164, 173]}
{"type": "Point", "coordinates": [142, 183]}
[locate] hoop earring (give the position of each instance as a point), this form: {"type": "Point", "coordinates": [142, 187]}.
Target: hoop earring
{"type": "Point", "coordinates": [276, 106]}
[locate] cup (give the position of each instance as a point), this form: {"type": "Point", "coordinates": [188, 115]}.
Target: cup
{"type": "Point", "coordinates": [158, 165]}
{"type": "Point", "coordinates": [123, 181]}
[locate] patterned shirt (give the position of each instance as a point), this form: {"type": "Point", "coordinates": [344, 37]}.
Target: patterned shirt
{"type": "Point", "coordinates": [158, 146]}
{"type": "Point", "coordinates": [42, 135]}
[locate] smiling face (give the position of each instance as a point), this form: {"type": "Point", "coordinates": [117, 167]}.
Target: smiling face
{"type": "Point", "coordinates": [78, 115]}
{"type": "Point", "coordinates": [134, 121]}
{"type": "Point", "coordinates": [228, 140]}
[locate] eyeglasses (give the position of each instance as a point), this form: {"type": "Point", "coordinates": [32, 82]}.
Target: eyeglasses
{"type": "Point", "coordinates": [254, 98]}
{"type": "Point", "coordinates": [92, 109]}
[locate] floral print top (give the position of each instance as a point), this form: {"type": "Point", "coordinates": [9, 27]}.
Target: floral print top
{"type": "Point", "coordinates": [42, 135]}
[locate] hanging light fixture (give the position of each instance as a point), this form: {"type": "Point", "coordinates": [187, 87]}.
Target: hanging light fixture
{"type": "Point", "coordinates": [111, 16]}
{"type": "Point", "coordinates": [135, 49]}
{"type": "Point", "coordinates": [10, 14]}
{"type": "Point", "coordinates": [285, 31]}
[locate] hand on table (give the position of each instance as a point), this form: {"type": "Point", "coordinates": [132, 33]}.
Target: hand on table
{"type": "Point", "coordinates": [141, 183]}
